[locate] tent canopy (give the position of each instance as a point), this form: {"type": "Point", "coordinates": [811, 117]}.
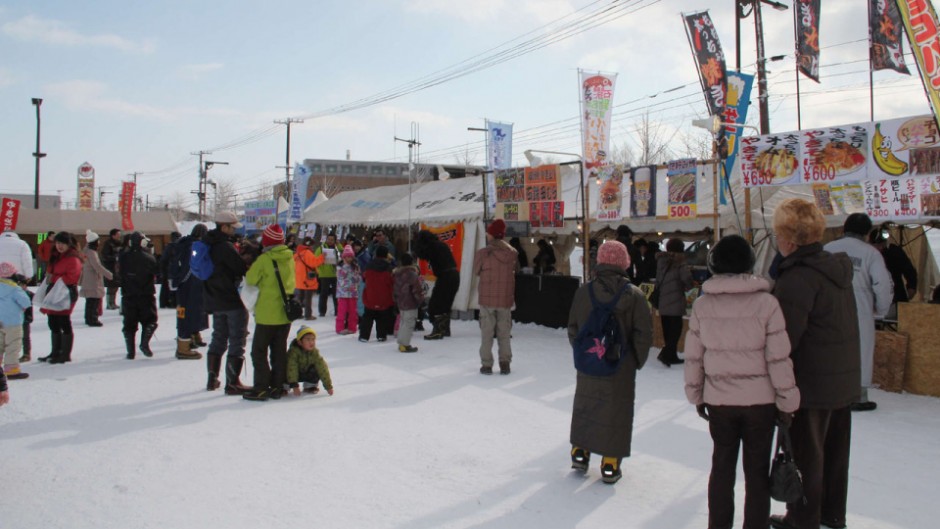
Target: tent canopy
{"type": "Point", "coordinates": [34, 221]}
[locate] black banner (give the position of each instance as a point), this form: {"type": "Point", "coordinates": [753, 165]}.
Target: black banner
{"type": "Point", "coordinates": [807, 37]}
{"type": "Point", "coordinates": [710, 60]}
{"type": "Point", "coordinates": [884, 30]}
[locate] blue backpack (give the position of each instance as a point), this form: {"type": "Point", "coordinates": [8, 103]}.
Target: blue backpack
{"type": "Point", "coordinates": [200, 263]}
{"type": "Point", "coordinates": [600, 346]}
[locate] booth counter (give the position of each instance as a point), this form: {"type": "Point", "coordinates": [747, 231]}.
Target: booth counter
{"type": "Point", "coordinates": [544, 299]}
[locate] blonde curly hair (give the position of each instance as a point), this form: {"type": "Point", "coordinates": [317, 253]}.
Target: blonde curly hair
{"type": "Point", "coordinates": [799, 221]}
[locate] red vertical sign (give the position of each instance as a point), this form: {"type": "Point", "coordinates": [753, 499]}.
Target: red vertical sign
{"type": "Point", "coordinates": [9, 213]}
{"type": "Point", "coordinates": [127, 206]}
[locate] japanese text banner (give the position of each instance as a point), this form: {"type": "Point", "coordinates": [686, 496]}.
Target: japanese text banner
{"type": "Point", "coordinates": [597, 98]}
{"type": "Point", "coordinates": [806, 13]}
{"type": "Point", "coordinates": [703, 37]}
{"type": "Point", "coordinates": [884, 29]}
{"type": "Point", "coordinates": [920, 22]}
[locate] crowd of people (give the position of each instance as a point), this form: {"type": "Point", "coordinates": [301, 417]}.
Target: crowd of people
{"type": "Point", "coordinates": [795, 354]}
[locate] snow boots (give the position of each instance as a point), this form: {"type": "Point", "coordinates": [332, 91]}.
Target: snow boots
{"type": "Point", "coordinates": [65, 352]}
{"type": "Point", "coordinates": [233, 369]}
{"type": "Point", "coordinates": [197, 341]}
{"type": "Point", "coordinates": [112, 299]}
{"type": "Point", "coordinates": [56, 348]}
{"type": "Point", "coordinates": [130, 343]}
{"type": "Point", "coordinates": [407, 349]}
{"type": "Point", "coordinates": [14, 373]}
{"type": "Point", "coordinates": [438, 332]}
{"type": "Point", "coordinates": [184, 352]}
{"type": "Point", "coordinates": [213, 367]}
{"type": "Point", "coordinates": [610, 470]}
{"type": "Point", "coordinates": [145, 335]}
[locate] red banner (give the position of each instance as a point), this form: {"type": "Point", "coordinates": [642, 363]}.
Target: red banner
{"type": "Point", "coordinates": [127, 206]}
{"type": "Point", "coordinates": [9, 213]}
{"type": "Point", "coordinates": [452, 236]}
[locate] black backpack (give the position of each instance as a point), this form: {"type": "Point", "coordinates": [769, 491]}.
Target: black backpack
{"type": "Point", "coordinates": [599, 346]}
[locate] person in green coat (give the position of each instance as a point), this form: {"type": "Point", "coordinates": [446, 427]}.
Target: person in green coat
{"type": "Point", "coordinates": [272, 328]}
{"type": "Point", "coordinates": [305, 364]}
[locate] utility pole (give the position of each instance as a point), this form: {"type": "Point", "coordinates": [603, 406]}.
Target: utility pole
{"type": "Point", "coordinates": [134, 174]}
{"type": "Point", "coordinates": [101, 194]}
{"type": "Point", "coordinates": [287, 194]}
{"type": "Point", "coordinates": [412, 143]}
{"type": "Point", "coordinates": [37, 102]}
{"type": "Point", "coordinates": [201, 193]}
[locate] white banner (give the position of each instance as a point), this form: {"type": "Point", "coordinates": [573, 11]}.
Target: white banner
{"type": "Point", "coordinates": [597, 100]}
{"type": "Point", "coordinates": [298, 195]}
{"type": "Point", "coordinates": [498, 155]}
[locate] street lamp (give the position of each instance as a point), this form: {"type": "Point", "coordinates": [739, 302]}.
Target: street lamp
{"type": "Point", "coordinates": [203, 185]}
{"type": "Point", "coordinates": [585, 222]}
{"type": "Point", "coordinates": [38, 154]}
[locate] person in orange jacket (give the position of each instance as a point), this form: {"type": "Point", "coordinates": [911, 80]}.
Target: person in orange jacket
{"type": "Point", "coordinates": [305, 275]}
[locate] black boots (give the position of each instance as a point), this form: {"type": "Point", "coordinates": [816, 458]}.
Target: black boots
{"type": "Point", "coordinates": [112, 299]}
{"type": "Point", "coordinates": [130, 343]}
{"type": "Point", "coordinates": [438, 332]}
{"type": "Point", "coordinates": [91, 312]}
{"type": "Point", "coordinates": [445, 326]}
{"type": "Point", "coordinates": [145, 336]}
{"type": "Point", "coordinates": [65, 353]}
{"type": "Point", "coordinates": [233, 369]}
{"type": "Point", "coordinates": [213, 366]}
{"type": "Point", "coordinates": [56, 348]}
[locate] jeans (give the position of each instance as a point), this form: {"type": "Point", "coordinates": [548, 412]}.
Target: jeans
{"type": "Point", "coordinates": [229, 331]}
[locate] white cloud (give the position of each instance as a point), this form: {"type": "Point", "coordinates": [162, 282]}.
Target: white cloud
{"type": "Point", "coordinates": [58, 33]}
{"type": "Point", "coordinates": [6, 78]}
{"type": "Point", "coordinates": [92, 96]}
{"type": "Point", "coordinates": [195, 71]}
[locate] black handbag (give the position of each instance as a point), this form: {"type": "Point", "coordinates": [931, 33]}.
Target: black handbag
{"type": "Point", "coordinates": [292, 307]}
{"type": "Point", "coordinates": [786, 482]}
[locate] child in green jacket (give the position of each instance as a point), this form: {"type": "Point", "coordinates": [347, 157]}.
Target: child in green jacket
{"type": "Point", "coordinates": [304, 364]}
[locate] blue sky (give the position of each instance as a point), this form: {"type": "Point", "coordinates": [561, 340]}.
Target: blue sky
{"type": "Point", "coordinates": [131, 86]}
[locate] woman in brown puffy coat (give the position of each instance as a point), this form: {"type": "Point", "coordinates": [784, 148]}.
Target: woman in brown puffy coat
{"type": "Point", "coordinates": [92, 282]}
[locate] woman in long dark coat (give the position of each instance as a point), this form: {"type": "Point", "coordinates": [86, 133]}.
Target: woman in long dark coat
{"type": "Point", "coordinates": [602, 417]}
{"type": "Point", "coordinates": [674, 277]}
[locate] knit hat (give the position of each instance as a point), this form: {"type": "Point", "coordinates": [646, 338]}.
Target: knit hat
{"type": "Point", "coordinates": [732, 255]}
{"type": "Point", "coordinates": [497, 229]}
{"type": "Point", "coordinates": [272, 235]}
{"type": "Point", "coordinates": [90, 236]}
{"type": "Point", "coordinates": [613, 253]}
{"type": "Point", "coordinates": [348, 251]}
{"type": "Point", "coordinates": [304, 331]}
{"type": "Point", "coordinates": [7, 270]}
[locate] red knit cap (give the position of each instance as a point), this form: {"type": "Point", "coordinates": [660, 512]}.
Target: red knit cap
{"type": "Point", "coordinates": [613, 253]}
{"type": "Point", "coordinates": [272, 235]}
{"type": "Point", "coordinates": [497, 229]}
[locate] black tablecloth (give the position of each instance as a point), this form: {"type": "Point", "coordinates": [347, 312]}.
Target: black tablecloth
{"type": "Point", "coordinates": [545, 300]}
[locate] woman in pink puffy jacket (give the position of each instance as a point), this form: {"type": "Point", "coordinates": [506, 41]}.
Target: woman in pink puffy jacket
{"type": "Point", "coordinates": [739, 376]}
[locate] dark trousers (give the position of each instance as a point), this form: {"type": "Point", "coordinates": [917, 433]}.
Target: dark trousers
{"type": "Point", "coordinates": [821, 440]}
{"type": "Point", "coordinates": [309, 376]}
{"type": "Point", "coordinates": [306, 299]}
{"type": "Point", "coordinates": [138, 310]}
{"type": "Point", "coordinates": [672, 331]}
{"type": "Point", "coordinates": [384, 323]}
{"type": "Point", "coordinates": [444, 292]}
{"type": "Point", "coordinates": [327, 291]}
{"type": "Point", "coordinates": [229, 331]}
{"type": "Point", "coordinates": [60, 323]}
{"type": "Point", "coordinates": [271, 338]}
{"type": "Point", "coordinates": [732, 427]}
{"type": "Point", "coordinates": [27, 340]}
{"type": "Point", "coordinates": [92, 309]}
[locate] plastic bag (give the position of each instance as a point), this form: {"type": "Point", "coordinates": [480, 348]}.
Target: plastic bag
{"type": "Point", "coordinates": [40, 292]}
{"type": "Point", "coordinates": [58, 298]}
{"type": "Point", "coordinates": [249, 295]}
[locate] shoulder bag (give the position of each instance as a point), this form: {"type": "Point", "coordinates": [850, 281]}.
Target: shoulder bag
{"type": "Point", "coordinates": [786, 482]}
{"type": "Point", "coordinates": [292, 307]}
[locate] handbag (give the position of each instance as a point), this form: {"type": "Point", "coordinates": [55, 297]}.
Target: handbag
{"type": "Point", "coordinates": [292, 307]}
{"type": "Point", "coordinates": [786, 482]}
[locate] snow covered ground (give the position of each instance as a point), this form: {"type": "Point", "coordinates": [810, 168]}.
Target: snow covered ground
{"type": "Point", "coordinates": [408, 441]}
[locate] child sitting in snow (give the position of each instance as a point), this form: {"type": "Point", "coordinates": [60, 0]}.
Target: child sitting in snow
{"type": "Point", "coordinates": [304, 364]}
{"type": "Point", "coordinates": [13, 304]}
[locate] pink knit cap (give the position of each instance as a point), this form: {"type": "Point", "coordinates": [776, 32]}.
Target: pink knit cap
{"type": "Point", "coordinates": [613, 253]}
{"type": "Point", "coordinates": [7, 270]}
{"type": "Point", "coordinates": [348, 251]}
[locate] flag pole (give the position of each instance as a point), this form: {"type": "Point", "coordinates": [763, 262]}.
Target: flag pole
{"type": "Point", "coordinates": [871, 71]}
{"type": "Point", "coordinates": [796, 44]}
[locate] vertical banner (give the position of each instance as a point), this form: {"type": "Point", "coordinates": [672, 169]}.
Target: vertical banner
{"type": "Point", "coordinates": [127, 206]}
{"type": "Point", "coordinates": [298, 194]}
{"type": "Point", "coordinates": [9, 214]}
{"type": "Point", "coordinates": [920, 23]}
{"type": "Point", "coordinates": [86, 187]}
{"type": "Point", "coordinates": [737, 101]}
{"type": "Point", "coordinates": [806, 19]}
{"type": "Point", "coordinates": [643, 191]}
{"type": "Point", "coordinates": [610, 197]}
{"type": "Point", "coordinates": [597, 98]}
{"type": "Point", "coordinates": [498, 154]}
{"type": "Point", "coordinates": [703, 37]}
{"type": "Point", "coordinates": [682, 191]}
{"type": "Point", "coordinates": [884, 36]}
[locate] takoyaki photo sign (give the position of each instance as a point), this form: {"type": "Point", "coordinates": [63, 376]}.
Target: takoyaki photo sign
{"type": "Point", "coordinates": [610, 200]}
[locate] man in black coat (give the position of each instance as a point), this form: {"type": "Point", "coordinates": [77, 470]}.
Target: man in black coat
{"type": "Point", "coordinates": [625, 237]}
{"type": "Point", "coordinates": [899, 265]}
{"type": "Point", "coordinates": [438, 254]}
{"type": "Point", "coordinates": [109, 258]}
{"type": "Point", "coordinates": [229, 315]}
{"type": "Point", "coordinates": [138, 297]}
{"type": "Point", "coordinates": [167, 296]}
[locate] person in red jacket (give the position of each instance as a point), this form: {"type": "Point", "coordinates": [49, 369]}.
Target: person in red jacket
{"type": "Point", "coordinates": [43, 254]}
{"type": "Point", "coordinates": [64, 264]}
{"type": "Point", "coordinates": [378, 298]}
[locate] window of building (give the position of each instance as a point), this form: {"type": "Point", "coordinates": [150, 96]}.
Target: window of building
{"type": "Point", "coordinates": [315, 168]}
{"type": "Point", "coordinates": [330, 168]}
{"type": "Point", "coordinates": [377, 169]}
{"type": "Point", "coordinates": [391, 170]}
{"type": "Point", "coordinates": [346, 169]}
{"type": "Point", "coordinates": [362, 169]}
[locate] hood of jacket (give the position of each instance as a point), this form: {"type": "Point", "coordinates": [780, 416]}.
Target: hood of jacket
{"type": "Point", "coordinates": [379, 265]}
{"type": "Point", "coordinates": [839, 270]}
{"type": "Point", "coordinates": [280, 253]}
{"type": "Point", "coordinates": [213, 237]}
{"type": "Point", "coordinates": [735, 284]}
{"type": "Point", "coordinates": [9, 235]}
